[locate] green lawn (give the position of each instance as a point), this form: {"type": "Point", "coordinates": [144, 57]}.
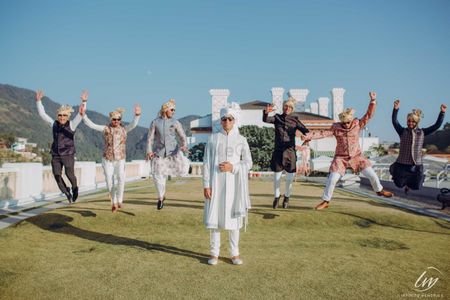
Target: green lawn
{"type": "Point", "coordinates": [357, 249]}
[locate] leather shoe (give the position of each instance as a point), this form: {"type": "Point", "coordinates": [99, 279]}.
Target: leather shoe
{"type": "Point", "coordinates": [322, 205]}
{"type": "Point", "coordinates": [285, 202]}
{"type": "Point", "coordinates": [160, 204]}
{"type": "Point", "coordinates": [275, 202]}
{"type": "Point", "coordinates": [384, 193]}
{"type": "Point", "coordinates": [74, 194]}
{"type": "Point", "coordinates": [69, 197]}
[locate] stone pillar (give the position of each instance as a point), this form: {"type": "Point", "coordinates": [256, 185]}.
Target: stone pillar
{"type": "Point", "coordinates": [338, 102]}
{"type": "Point", "coordinates": [314, 108]}
{"type": "Point", "coordinates": [277, 99]}
{"type": "Point", "coordinates": [219, 100]}
{"type": "Point", "coordinates": [300, 96]}
{"type": "Point", "coordinates": [323, 106]}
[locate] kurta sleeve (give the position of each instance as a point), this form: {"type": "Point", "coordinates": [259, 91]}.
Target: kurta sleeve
{"type": "Point", "coordinates": [43, 114]}
{"type": "Point", "coordinates": [433, 128]}
{"type": "Point", "coordinates": [75, 122]}
{"type": "Point", "coordinates": [207, 163]}
{"type": "Point", "coordinates": [395, 123]}
{"type": "Point", "coordinates": [268, 119]}
{"type": "Point", "coordinates": [302, 127]}
{"type": "Point", "coordinates": [246, 158]}
{"type": "Point", "coordinates": [133, 123]}
{"type": "Point", "coordinates": [315, 135]}
{"type": "Point", "coordinates": [368, 115]}
{"type": "Point", "coordinates": [92, 125]}
{"type": "Point", "coordinates": [180, 132]}
{"type": "Point", "coordinates": [151, 137]}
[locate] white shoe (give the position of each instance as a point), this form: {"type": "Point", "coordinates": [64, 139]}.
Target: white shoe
{"type": "Point", "coordinates": [236, 261]}
{"type": "Point", "coordinates": [213, 261]}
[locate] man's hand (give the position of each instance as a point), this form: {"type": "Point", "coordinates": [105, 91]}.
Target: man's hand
{"type": "Point", "coordinates": [225, 167]}
{"type": "Point", "coordinates": [84, 95]}
{"type": "Point", "coordinates": [207, 193]}
{"type": "Point", "coordinates": [82, 109]}
{"type": "Point", "coordinates": [184, 149]}
{"type": "Point", "coordinates": [150, 155]}
{"type": "Point", "coordinates": [443, 108]}
{"type": "Point", "coordinates": [397, 104]}
{"type": "Point", "coordinates": [137, 110]}
{"type": "Point", "coordinates": [373, 96]}
{"type": "Point", "coordinates": [269, 108]}
{"type": "Point", "coordinates": [39, 95]}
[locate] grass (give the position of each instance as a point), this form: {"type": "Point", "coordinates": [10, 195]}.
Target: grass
{"type": "Point", "coordinates": [357, 249]}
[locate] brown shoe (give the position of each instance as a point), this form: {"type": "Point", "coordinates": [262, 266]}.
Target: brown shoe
{"type": "Point", "coordinates": [114, 208]}
{"type": "Point", "coordinates": [384, 193]}
{"type": "Point", "coordinates": [322, 205]}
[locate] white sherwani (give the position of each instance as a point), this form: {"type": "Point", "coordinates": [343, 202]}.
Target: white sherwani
{"type": "Point", "coordinates": [230, 198]}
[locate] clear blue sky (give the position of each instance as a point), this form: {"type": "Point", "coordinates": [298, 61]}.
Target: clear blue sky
{"type": "Point", "coordinates": [127, 52]}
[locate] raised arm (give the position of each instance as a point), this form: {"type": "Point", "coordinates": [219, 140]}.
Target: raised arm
{"type": "Point", "coordinates": [266, 111]}
{"type": "Point", "coordinates": [81, 111]}
{"type": "Point", "coordinates": [370, 110]}
{"type": "Point", "coordinates": [395, 123]}
{"type": "Point", "coordinates": [439, 121]}
{"type": "Point", "coordinates": [41, 110]}
{"type": "Point", "coordinates": [92, 125]}
{"type": "Point", "coordinates": [137, 116]}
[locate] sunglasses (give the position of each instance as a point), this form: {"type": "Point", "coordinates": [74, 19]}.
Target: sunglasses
{"type": "Point", "coordinates": [60, 115]}
{"type": "Point", "coordinates": [116, 119]}
{"type": "Point", "coordinates": [227, 119]}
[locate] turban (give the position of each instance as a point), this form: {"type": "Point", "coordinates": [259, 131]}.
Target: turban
{"type": "Point", "coordinates": [416, 115]}
{"type": "Point", "coordinates": [233, 109]}
{"type": "Point", "coordinates": [347, 115]}
{"type": "Point", "coordinates": [167, 106]}
{"type": "Point", "coordinates": [65, 110]}
{"type": "Point", "coordinates": [290, 102]}
{"type": "Point", "coordinates": [117, 114]}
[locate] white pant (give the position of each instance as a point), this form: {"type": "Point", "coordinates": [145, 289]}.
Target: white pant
{"type": "Point", "coordinates": [334, 177]}
{"type": "Point", "coordinates": [277, 183]}
{"type": "Point", "coordinates": [160, 183]}
{"type": "Point", "coordinates": [214, 244]}
{"type": "Point", "coordinates": [115, 178]}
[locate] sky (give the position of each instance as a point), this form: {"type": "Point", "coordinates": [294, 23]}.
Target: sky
{"type": "Point", "coordinates": [128, 52]}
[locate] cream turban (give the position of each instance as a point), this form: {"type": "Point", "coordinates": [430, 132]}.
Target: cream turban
{"type": "Point", "coordinates": [347, 115]}
{"type": "Point", "coordinates": [65, 110]}
{"type": "Point", "coordinates": [233, 109]}
{"type": "Point", "coordinates": [167, 106]}
{"type": "Point", "coordinates": [117, 114]}
{"type": "Point", "coordinates": [416, 115]}
{"type": "Point", "coordinates": [290, 102]}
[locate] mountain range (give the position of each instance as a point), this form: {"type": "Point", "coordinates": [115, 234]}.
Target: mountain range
{"type": "Point", "coordinates": [19, 116]}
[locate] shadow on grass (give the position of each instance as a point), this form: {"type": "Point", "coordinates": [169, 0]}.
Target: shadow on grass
{"type": "Point", "coordinates": [60, 224]}
{"type": "Point", "coordinates": [85, 213]}
{"type": "Point", "coordinates": [364, 222]}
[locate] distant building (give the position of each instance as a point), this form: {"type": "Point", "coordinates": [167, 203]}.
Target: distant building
{"type": "Point", "coordinates": [316, 117]}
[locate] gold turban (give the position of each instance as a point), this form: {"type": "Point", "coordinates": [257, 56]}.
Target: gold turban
{"type": "Point", "coordinates": [117, 114]}
{"type": "Point", "coordinates": [416, 115]}
{"type": "Point", "coordinates": [347, 115]}
{"type": "Point", "coordinates": [290, 102]}
{"type": "Point", "coordinates": [65, 110]}
{"type": "Point", "coordinates": [167, 106]}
